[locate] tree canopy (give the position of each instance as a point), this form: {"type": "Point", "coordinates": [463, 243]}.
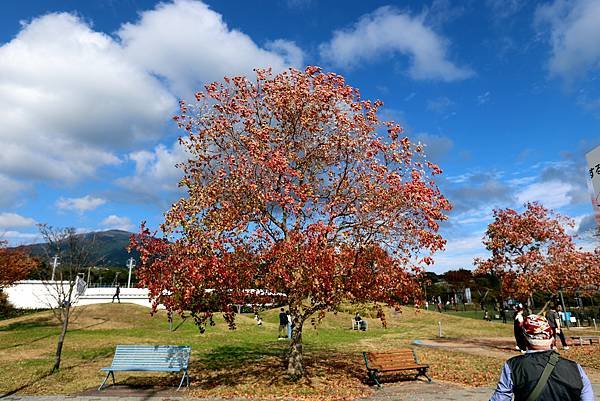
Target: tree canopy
{"type": "Point", "coordinates": [294, 186]}
{"type": "Point", "coordinates": [15, 265]}
{"type": "Point", "coordinates": [532, 251]}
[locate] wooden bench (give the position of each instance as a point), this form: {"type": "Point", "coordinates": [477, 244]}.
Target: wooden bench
{"type": "Point", "coordinates": [150, 358]}
{"type": "Point", "coordinates": [393, 361]}
{"type": "Point", "coordinates": [585, 340]}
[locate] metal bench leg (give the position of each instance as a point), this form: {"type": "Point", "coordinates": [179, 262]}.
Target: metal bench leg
{"type": "Point", "coordinates": [423, 372]}
{"type": "Point", "coordinates": [375, 377]}
{"type": "Point", "coordinates": [185, 375]}
{"type": "Point", "coordinates": [110, 373]}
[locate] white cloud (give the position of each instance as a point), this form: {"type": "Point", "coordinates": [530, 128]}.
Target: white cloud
{"type": "Point", "coordinates": [551, 194]}
{"type": "Point", "coordinates": [13, 220]}
{"type": "Point", "coordinates": [10, 192]}
{"type": "Point", "coordinates": [117, 223]}
{"type": "Point", "coordinates": [483, 98]}
{"type": "Point", "coordinates": [69, 98]}
{"type": "Point", "coordinates": [388, 31]}
{"type": "Point", "coordinates": [188, 44]}
{"type": "Point", "coordinates": [16, 238]}
{"type": "Point", "coordinates": [460, 252]}
{"type": "Point", "coordinates": [81, 205]}
{"type": "Point", "coordinates": [155, 172]}
{"type": "Point", "coordinates": [574, 32]}
{"type": "Point", "coordinates": [73, 100]}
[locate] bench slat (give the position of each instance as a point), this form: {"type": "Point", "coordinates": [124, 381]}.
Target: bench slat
{"type": "Point", "coordinates": [167, 358]}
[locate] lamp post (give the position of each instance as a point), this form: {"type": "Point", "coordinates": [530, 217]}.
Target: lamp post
{"type": "Point", "coordinates": [130, 264]}
{"type": "Point", "coordinates": [54, 264]}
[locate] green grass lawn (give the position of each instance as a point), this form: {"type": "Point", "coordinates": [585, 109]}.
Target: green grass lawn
{"type": "Point", "coordinates": [248, 361]}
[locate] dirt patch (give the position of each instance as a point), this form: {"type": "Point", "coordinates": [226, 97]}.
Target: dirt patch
{"type": "Point", "coordinates": [491, 347]}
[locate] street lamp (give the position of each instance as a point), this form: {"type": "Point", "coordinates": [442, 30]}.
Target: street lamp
{"type": "Point", "coordinates": [54, 264]}
{"type": "Point", "coordinates": [130, 264]}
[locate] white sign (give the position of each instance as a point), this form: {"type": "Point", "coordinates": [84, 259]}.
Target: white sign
{"type": "Point", "coordinates": [593, 159]}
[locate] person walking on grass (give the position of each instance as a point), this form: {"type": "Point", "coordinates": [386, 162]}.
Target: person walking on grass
{"type": "Point", "coordinates": [541, 373]}
{"type": "Point", "coordinates": [554, 321]}
{"type": "Point", "coordinates": [283, 323]}
{"type": "Point", "coordinates": [117, 292]}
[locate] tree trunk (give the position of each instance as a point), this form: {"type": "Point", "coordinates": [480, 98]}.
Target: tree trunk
{"type": "Point", "coordinates": [529, 305]}
{"type": "Point", "coordinates": [295, 365]}
{"type": "Point", "coordinates": [61, 340]}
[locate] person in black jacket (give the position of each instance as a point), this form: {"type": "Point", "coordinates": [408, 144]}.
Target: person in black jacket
{"type": "Point", "coordinates": [283, 323]}
{"type": "Point", "coordinates": [117, 292]}
{"type": "Point", "coordinates": [520, 374]}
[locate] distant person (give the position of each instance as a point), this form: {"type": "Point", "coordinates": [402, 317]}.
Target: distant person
{"type": "Point", "coordinates": [503, 314]}
{"type": "Point", "coordinates": [117, 292]}
{"type": "Point", "coordinates": [258, 319]}
{"type": "Point", "coordinates": [518, 329]}
{"type": "Point", "coordinates": [357, 319]}
{"type": "Point", "coordinates": [486, 315]}
{"type": "Point", "coordinates": [554, 322]}
{"type": "Point", "coordinates": [541, 373]}
{"type": "Point", "coordinates": [361, 324]}
{"type": "Point", "coordinates": [283, 323]}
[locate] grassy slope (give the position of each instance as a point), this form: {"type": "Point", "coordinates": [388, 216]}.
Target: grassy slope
{"type": "Point", "coordinates": [247, 361]}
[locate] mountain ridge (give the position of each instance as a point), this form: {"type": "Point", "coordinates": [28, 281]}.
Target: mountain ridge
{"type": "Point", "coordinates": [108, 248]}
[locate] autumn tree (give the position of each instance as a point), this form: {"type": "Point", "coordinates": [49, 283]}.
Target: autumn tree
{"type": "Point", "coordinates": [531, 251]}
{"type": "Point", "coordinates": [292, 188]}
{"type": "Point", "coordinates": [15, 265]}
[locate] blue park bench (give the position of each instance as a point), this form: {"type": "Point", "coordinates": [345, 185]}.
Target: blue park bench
{"type": "Point", "coordinates": [150, 358]}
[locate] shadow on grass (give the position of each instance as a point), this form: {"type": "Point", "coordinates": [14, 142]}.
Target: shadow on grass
{"type": "Point", "coordinates": [46, 375]}
{"type": "Point", "coordinates": [267, 365]}
{"type": "Point", "coordinates": [38, 323]}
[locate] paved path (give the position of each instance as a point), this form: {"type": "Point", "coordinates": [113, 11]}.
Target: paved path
{"type": "Point", "coordinates": [409, 391]}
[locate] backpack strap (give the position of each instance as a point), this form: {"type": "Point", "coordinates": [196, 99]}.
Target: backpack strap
{"type": "Point", "coordinates": [539, 387]}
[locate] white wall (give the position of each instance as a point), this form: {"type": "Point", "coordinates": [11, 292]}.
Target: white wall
{"type": "Point", "coordinates": [37, 294]}
{"type": "Point", "coordinates": [104, 295]}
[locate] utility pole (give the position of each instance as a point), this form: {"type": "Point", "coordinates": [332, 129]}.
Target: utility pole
{"type": "Point", "coordinates": [54, 264]}
{"type": "Point", "coordinates": [88, 277]}
{"type": "Point", "coordinates": [130, 264]}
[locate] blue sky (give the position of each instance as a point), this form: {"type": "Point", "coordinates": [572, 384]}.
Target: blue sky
{"type": "Point", "coordinates": [505, 93]}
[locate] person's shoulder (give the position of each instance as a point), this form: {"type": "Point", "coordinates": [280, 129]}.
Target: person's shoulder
{"type": "Point", "coordinates": [515, 359]}
{"type": "Point", "coordinates": [564, 360]}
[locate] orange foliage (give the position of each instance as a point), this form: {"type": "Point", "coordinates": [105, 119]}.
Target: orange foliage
{"type": "Point", "coordinates": [531, 251]}
{"type": "Point", "coordinates": [15, 265]}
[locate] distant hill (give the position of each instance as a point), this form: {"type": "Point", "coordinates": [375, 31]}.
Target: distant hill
{"type": "Point", "coordinates": [109, 248]}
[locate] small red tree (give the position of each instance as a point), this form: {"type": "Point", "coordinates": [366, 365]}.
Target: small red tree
{"type": "Point", "coordinates": [15, 265]}
{"type": "Point", "coordinates": [532, 252]}
{"type": "Point", "coordinates": [291, 189]}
